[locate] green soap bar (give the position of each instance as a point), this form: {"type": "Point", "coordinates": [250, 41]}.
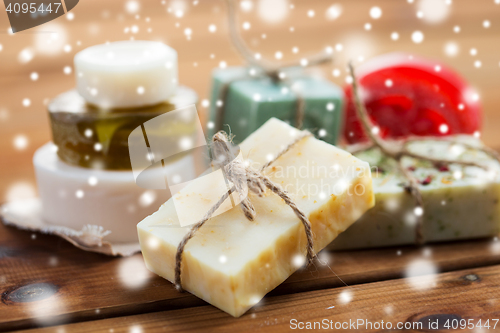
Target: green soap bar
{"type": "Point", "coordinates": [251, 102]}
{"type": "Point", "coordinates": [458, 202]}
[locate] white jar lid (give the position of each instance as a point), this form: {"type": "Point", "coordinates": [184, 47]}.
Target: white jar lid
{"type": "Point", "coordinates": [126, 74]}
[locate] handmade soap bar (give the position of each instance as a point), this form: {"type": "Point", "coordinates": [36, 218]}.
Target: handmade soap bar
{"type": "Point", "coordinates": [96, 138]}
{"type": "Point", "coordinates": [250, 102]}
{"type": "Point", "coordinates": [459, 202]}
{"type": "Point", "coordinates": [74, 197]}
{"type": "Point", "coordinates": [126, 74]}
{"type": "Point", "coordinates": [232, 262]}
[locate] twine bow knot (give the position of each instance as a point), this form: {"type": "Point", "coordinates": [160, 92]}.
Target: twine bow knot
{"type": "Point", "coordinates": [244, 179]}
{"type": "Point", "coordinates": [235, 171]}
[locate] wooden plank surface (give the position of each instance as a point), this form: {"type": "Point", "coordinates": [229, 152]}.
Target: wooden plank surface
{"type": "Point", "coordinates": [46, 280]}
{"type": "Point", "coordinates": [472, 294]}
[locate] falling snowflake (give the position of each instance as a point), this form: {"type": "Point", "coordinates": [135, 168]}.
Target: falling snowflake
{"type": "Point", "coordinates": [421, 274]}
{"type": "Point", "coordinates": [19, 191]}
{"type": "Point", "coordinates": [147, 198]}
{"type": "Point", "coordinates": [375, 13]}
{"type": "Point", "coordinates": [451, 49]}
{"type": "Point", "coordinates": [132, 272]}
{"type": "Point", "coordinates": [26, 55]}
{"type": "Point", "coordinates": [273, 11]}
{"type": "Point", "coordinates": [433, 11]}
{"type": "Point", "coordinates": [53, 42]}
{"type": "Point", "coordinates": [20, 142]}
{"type": "Point", "coordinates": [333, 12]}
{"type": "Point", "coordinates": [345, 297]}
{"type": "Point", "coordinates": [132, 6]}
{"type": "Point", "coordinates": [417, 37]}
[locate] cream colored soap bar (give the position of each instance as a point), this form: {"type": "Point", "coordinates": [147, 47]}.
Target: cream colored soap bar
{"type": "Point", "coordinates": [459, 202]}
{"type": "Point", "coordinates": [126, 74]}
{"type": "Point", "coordinates": [232, 262]}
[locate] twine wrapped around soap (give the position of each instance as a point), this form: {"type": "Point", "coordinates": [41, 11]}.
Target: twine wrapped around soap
{"type": "Point", "coordinates": [240, 175]}
{"type": "Point", "coordinates": [266, 68]}
{"type": "Point", "coordinates": [399, 149]}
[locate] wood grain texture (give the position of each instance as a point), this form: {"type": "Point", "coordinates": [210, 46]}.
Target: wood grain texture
{"type": "Point", "coordinates": [467, 294]}
{"type": "Point", "coordinates": [45, 281]}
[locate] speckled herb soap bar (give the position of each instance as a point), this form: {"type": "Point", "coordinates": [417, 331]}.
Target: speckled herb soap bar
{"type": "Point", "coordinates": [459, 202]}
{"type": "Point", "coordinates": [250, 102]}
{"type": "Point", "coordinates": [232, 262]}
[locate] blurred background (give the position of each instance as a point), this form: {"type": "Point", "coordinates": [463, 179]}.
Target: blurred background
{"type": "Point", "coordinates": [37, 64]}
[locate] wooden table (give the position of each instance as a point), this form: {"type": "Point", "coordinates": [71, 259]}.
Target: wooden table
{"type": "Point", "coordinates": [44, 281]}
{"type": "Point", "coordinates": [48, 282]}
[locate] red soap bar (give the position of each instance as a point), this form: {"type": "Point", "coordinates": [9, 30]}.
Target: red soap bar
{"type": "Point", "coordinates": [407, 95]}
